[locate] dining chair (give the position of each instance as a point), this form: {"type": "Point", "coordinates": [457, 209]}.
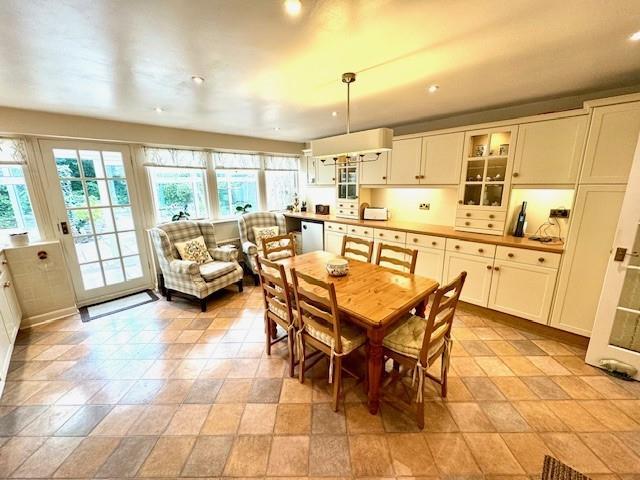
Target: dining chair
{"type": "Point", "coordinates": [407, 266]}
{"type": "Point", "coordinates": [278, 247]}
{"type": "Point", "coordinates": [319, 325]}
{"type": "Point", "coordinates": [278, 308]}
{"type": "Point", "coordinates": [350, 248]}
{"type": "Point", "coordinates": [417, 342]}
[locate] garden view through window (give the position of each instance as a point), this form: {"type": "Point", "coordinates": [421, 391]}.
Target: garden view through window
{"type": "Point", "coordinates": [178, 190]}
{"type": "Point", "coordinates": [237, 188]}
{"type": "Point", "coordinates": [16, 213]}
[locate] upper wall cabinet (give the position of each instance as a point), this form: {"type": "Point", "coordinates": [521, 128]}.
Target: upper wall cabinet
{"type": "Point", "coordinates": [405, 162]}
{"type": "Point", "coordinates": [548, 152]}
{"type": "Point", "coordinates": [611, 143]}
{"type": "Point", "coordinates": [441, 159]}
{"type": "Point", "coordinates": [326, 172]}
{"type": "Point", "coordinates": [374, 170]}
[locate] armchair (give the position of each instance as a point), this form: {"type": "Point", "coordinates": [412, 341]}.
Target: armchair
{"type": "Point", "coordinates": [249, 248]}
{"type": "Point", "coordinates": [188, 277]}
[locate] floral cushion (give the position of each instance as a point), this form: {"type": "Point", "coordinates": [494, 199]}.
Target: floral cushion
{"type": "Point", "coordinates": [264, 232]}
{"type": "Point", "coordinates": [351, 337]}
{"type": "Point", "coordinates": [408, 336]}
{"type": "Point", "coordinates": [194, 250]}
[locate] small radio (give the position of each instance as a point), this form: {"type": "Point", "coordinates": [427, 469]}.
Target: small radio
{"type": "Point", "coordinates": [322, 209]}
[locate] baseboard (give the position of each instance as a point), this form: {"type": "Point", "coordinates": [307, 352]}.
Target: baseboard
{"type": "Point", "coordinates": [48, 317]}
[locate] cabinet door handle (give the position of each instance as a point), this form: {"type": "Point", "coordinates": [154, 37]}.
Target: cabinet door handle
{"type": "Point", "coordinates": [381, 234]}
{"type": "Point", "coordinates": [353, 229]}
{"type": "Point", "coordinates": [6, 284]}
{"type": "Point", "coordinates": [4, 262]}
{"type": "Point", "coordinates": [457, 247]}
{"type": "Point", "coordinates": [434, 243]}
{"type": "Point", "coordinates": [468, 214]}
{"type": "Point", "coordinates": [366, 232]}
{"type": "Point", "coordinates": [497, 269]}
{"type": "Point", "coordinates": [460, 202]}
{"type": "Point", "coordinates": [490, 225]}
{"type": "Point", "coordinates": [492, 216]}
{"type": "Point", "coordinates": [541, 259]}
{"type": "Point", "coordinates": [481, 250]}
{"type": "Point", "coordinates": [384, 178]}
{"type": "Point", "coordinates": [467, 223]}
{"type": "Point", "coordinates": [510, 255]}
{"type": "Point", "coordinates": [415, 240]}
{"type": "Point", "coordinates": [516, 174]}
{"type": "Point", "coordinates": [417, 177]}
{"type": "Point", "coordinates": [396, 237]}
{"type": "Point", "coordinates": [488, 267]}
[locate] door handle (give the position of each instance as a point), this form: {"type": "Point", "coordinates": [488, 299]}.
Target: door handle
{"type": "Point", "coordinates": [621, 253]}
{"type": "Point", "coordinates": [64, 228]}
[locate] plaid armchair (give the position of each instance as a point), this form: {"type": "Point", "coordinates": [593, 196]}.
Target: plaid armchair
{"type": "Point", "coordinates": [188, 277]}
{"type": "Point", "coordinates": [245, 225]}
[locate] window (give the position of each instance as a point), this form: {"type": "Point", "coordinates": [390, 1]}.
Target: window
{"type": "Point", "coordinates": [16, 212]}
{"type": "Point", "coordinates": [237, 182]}
{"type": "Point", "coordinates": [281, 180]}
{"type": "Point", "coordinates": [178, 190]}
{"type": "Point", "coordinates": [178, 182]}
{"type": "Point", "coordinates": [236, 188]}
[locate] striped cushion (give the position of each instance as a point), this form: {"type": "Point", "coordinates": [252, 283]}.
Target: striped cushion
{"type": "Point", "coordinates": [351, 337]}
{"type": "Point", "coordinates": [408, 336]}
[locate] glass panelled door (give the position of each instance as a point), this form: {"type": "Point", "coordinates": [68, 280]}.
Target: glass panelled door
{"type": "Point", "coordinates": [97, 218]}
{"type": "Point", "coordinates": [616, 331]}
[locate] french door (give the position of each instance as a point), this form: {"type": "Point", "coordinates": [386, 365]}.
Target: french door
{"type": "Point", "coordinates": [94, 202]}
{"type": "Point", "coordinates": [616, 332]}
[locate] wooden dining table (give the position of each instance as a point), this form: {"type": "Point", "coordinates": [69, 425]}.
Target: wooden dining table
{"type": "Point", "coordinates": [373, 297]}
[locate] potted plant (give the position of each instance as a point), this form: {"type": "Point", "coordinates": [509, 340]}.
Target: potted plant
{"type": "Point", "coordinates": [181, 215]}
{"type": "Point", "coordinates": [243, 208]}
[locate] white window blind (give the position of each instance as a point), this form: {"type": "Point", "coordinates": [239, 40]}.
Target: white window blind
{"type": "Point", "coordinates": [174, 157]}
{"type": "Point", "coordinates": [273, 162]}
{"type": "Point", "coordinates": [12, 151]}
{"type": "Point", "coordinates": [236, 161]}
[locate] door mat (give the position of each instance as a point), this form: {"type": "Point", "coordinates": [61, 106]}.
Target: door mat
{"type": "Point", "coordinates": [99, 310]}
{"type": "Point", "coordinates": [554, 469]}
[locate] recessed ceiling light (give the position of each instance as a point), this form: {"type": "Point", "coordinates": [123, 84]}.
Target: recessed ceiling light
{"type": "Point", "coordinates": [635, 36]}
{"type": "Point", "coordinates": [293, 7]}
{"type": "Point", "coordinates": [277, 129]}
{"type": "Point", "coordinates": [334, 114]}
{"type": "Point", "coordinates": [433, 88]}
{"type": "Point", "coordinates": [158, 109]}
{"type": "Point", "coordinates": [197, 79]}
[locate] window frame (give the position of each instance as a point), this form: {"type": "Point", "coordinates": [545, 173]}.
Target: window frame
{"type": "Point", "coordinates": [259, 191]}
{"type": "Point", "coordinates": [153, 192]}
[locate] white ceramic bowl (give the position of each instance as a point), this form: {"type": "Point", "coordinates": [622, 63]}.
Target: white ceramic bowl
{"type": "Point", "coordinates": [338, 267]}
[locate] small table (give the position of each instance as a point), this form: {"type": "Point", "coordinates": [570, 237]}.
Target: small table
{"type": "Point", "coordinates": [371, 296]}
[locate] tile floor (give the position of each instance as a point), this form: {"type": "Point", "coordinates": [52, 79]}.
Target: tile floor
{"type": "Point", "coordinates": [166, 391]}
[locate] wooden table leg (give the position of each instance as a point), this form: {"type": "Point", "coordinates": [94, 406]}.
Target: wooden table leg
{"type": "Point", "coordinates": [422, 307]}
{"type": "Point", "coordinates": [375, 367]}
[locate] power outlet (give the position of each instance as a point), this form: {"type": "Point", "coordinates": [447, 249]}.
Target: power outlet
{"type": "Point", "coordinates": [424, 206]}
{"type": "Point", "coordinates": [559, 213]}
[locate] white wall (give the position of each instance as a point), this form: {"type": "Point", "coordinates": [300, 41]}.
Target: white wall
{"type": "Point", "coordinates": [539, 202]}
{"type": "Point", "coordinates": [403, 204]}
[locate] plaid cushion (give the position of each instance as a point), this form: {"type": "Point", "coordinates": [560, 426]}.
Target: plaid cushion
{"type": "Point", "coordinates": [351, 336]}
{"type": "Point", "coordinates": [212, 270]}
{"type": "Point", "coordinates": [408, 336]}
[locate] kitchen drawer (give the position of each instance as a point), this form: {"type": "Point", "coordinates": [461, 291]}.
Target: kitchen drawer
{"type": "Point", "coordinates": [347, 204]}
{"type": "Point", "coordinates": [529, 257]}
{"type": "Point", "coordinates": [481, 215]}
{"type": "Point", "coordinates": [390, 235]}
{"type": "Point", "coordinates": [428, 241]}
{"type": "Point", "coordinates": [360, 231]}
{"type": "Point", "coordinates": [335, 227]}
{"type": "Point", "coordinates": [471, 248]}
{"type": "Point", "coordinates": [488, 225]}
{"type": "Point", "coordinates": [347, 212]}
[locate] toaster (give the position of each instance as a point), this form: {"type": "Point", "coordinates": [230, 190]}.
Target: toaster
{"type": "Point", "coordinates": [322, 209]}
{"type": "Point", "coordinates": [376, 213]}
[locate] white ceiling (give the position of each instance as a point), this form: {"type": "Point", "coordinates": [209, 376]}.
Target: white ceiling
{"type": "Point", "coordinates": [264, 70]}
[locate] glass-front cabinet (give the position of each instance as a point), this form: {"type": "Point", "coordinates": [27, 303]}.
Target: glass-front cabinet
{"type": "Point", "coordinates": [347, 190]}
{"type": "Point", "coordinates": [485, 179]}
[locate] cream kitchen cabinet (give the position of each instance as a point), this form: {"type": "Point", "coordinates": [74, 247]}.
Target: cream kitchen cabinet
{"type": "Point", "coordinates": [593, 226]}
{"type": "Point", "coordinates": [325, 172]}
{"type": "Point", "coordinates": [477, 260]}
{"type": "Point", "coordinates": [312, 170]}
{"type": "Point", "coordinates": [549, 152]}
{"type": "Point", "coordinates": [478, 281]}
{"type": "Point", "coordinates": [430, 263]}
{"type": "Point", "coordinates": [525, 288]}
{"type": "Point", "coordinates": [374, 170]}
{"type": "Point", "coordinates": [404, 167]}
{"type": "Point", "coordinates": [10, 316]}
{"type": "Point", "coordinates": [333, 242]}
{"type": "Point", "coordinates": [611, 143]}
{"type": "Point", "coordinates": [441, 159]}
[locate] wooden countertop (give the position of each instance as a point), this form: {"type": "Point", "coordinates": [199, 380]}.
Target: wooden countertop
{"type": "Point", "coordinates": [438, 231]}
